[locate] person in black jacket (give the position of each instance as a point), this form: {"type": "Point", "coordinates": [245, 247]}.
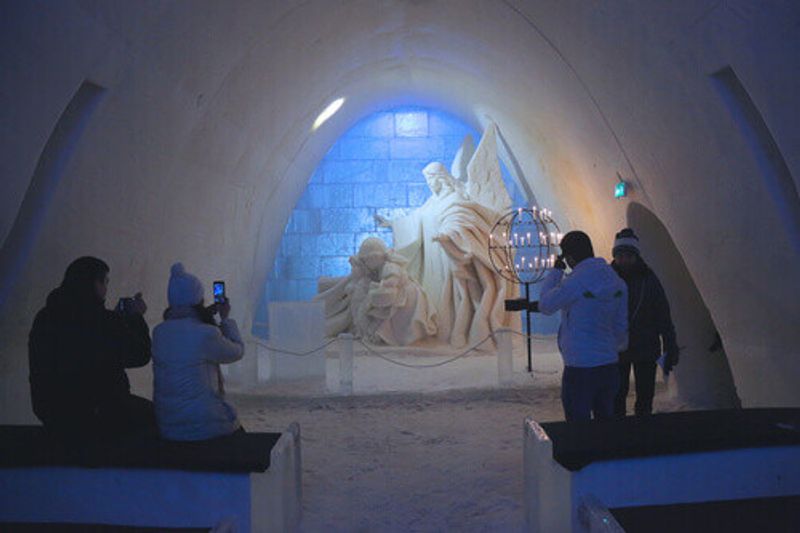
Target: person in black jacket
{"type": "Point", "coordinates": [650, 328]}
{"type": "Point", "coordinates": [78, 352]}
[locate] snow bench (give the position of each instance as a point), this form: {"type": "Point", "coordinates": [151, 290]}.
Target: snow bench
{"type": "Point", "coordinates": [668, 459]}
{"type": "Point", "coordinates": [251, 481]}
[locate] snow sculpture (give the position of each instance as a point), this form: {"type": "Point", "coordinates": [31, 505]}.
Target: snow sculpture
{"type": "Point", "coordinates": [446, 243]}
{"type": "Point", "coordinates": [378, 301]}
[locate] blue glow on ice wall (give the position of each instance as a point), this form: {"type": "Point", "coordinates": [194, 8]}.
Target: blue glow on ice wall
{"type": "Point", "coordinates": [376, 167]}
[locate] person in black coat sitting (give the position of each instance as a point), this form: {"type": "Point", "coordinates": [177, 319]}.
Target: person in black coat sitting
{"type": "Point", "coordinates": [78, 352]}
{"type": "Point", "coordinates": [650, 328]}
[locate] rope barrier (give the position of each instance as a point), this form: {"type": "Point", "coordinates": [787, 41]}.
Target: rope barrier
{"type": "Point", "coordinates": [296, 354]}
{"type": "Point", "coordinates": [431, 365]}
{"type": "Point", "coordinates": [536, 338]}
{"type": "Point", "coordinates": [407, 365]}
{"type": "Point", "coordinates": [539, 338]}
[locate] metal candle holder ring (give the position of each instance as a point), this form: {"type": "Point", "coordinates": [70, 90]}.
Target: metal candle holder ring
{"type": "Point", "coordinates": [522, 245]}
{"type": "Point", "coordinates": [522, 248]}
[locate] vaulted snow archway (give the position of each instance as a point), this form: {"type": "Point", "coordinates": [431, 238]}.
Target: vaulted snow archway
{"type": "Point", "coordinates": [703, 377]}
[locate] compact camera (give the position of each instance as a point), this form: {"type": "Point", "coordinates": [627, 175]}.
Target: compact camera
{"type": "Point", "coordinates": [521, 304]}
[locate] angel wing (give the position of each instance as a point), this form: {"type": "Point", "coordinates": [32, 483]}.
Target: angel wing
{"type": "Point", "coordinates": [484, 180]}
{"type": "Point", "coordinates": [459, 167]}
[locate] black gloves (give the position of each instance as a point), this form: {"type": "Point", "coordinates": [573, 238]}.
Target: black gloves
{"type": "Point", "coordinates": [671, 360]}
{"type": "Point", "coordinates": [560, 263]}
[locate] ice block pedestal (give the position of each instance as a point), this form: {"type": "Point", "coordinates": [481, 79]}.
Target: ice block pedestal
{"type": "Point", "coordinates": [295, 327]}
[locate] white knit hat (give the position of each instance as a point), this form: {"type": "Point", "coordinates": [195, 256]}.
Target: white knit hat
{"type": "Point", "coordinates": [626, 241]}
{"type": "Point", "coordinates": [184, 289]}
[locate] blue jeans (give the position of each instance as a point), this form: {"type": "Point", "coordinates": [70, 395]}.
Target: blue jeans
{"type": "Point", "coordinates": [587, 391]}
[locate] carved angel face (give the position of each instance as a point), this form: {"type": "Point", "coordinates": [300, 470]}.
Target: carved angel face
{"type": "Point", "coordinates": [438, 177]}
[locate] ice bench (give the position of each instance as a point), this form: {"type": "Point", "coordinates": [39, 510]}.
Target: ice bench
{"type": "Point", "coordinates": [670, 458]}
{"type": "Point", "coordinates": [252, 481]}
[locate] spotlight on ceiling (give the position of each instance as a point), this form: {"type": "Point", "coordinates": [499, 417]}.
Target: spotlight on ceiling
{"type": "Point", "coordinates": [327, 113]}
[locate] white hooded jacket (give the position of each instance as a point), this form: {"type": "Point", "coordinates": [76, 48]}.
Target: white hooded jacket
{"type": "Point", "coordinates": [593, 302]}
{"type": "Point", "coordinates": [187, 353]}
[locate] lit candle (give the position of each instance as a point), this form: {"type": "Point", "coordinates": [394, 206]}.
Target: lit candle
{"type": "Point", "coordinates": [536, 262]}
{"type": "Point", "coordinates": [529, 238]}
{"type": "Point", "coordinates": [515, 239]}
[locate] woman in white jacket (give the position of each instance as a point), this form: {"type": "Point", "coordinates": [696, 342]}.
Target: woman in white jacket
{"type": "Point", "coordinates": [188, 348]}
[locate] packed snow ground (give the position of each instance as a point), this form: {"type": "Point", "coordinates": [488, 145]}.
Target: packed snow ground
{"type": "Point", "coordinates": [441, 461]}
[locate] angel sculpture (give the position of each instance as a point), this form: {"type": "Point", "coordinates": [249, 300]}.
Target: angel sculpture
{"type": "Point", "coordinates": [446, 243]}
{"type": "Point", "coordinates": [377, 301]}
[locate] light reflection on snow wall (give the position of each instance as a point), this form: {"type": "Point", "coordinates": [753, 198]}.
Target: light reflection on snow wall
{"type": "Point", "coordinates": [703, 377]}
{"type": "Point", "coordinates": [375, 168]}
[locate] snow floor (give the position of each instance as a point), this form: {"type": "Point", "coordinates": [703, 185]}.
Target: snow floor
{"type": "Point", "coordinates": [439, 460]}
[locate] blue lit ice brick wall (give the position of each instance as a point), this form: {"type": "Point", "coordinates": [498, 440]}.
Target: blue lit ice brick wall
{"type": "Point", "coordinates": [376, 167]}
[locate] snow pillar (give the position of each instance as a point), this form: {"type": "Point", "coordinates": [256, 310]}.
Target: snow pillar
{"type": "Point", "coordinates": [346, 363]}
{"type": "Point", "coordinates": [505, 361]}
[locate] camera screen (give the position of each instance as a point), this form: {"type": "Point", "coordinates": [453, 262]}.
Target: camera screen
{"type": "Point", "coordinates": [219, 291]}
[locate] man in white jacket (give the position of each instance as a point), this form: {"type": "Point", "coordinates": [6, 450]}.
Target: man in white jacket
{"type": "Point", "coordinates": [188, 348]}
{"type": "Point", "coordinates": [593, 302]}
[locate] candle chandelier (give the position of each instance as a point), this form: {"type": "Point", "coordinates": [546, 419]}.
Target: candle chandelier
{"type": "Point", "coordinates": [523, 247]}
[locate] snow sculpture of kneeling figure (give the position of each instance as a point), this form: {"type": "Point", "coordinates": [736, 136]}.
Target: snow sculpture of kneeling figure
{"type": "Point", "coordinates": [378, 301]}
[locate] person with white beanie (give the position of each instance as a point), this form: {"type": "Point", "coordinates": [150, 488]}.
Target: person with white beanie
{"type": "Point", "coordinates": [650, 326]}
{"type": "Point", "coordinates": [188, 349]}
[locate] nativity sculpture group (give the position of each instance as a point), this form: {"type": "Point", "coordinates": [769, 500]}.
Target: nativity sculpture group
{"type": "Point", "coordinates": [438, 283]}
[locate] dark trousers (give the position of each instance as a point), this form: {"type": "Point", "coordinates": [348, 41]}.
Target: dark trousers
{"type": "Point", "coordinates": [587, 391]}
{"type": "Point", "coordinates": [645, 374]}
{"type": "Point", "coordinates": [87, 437]}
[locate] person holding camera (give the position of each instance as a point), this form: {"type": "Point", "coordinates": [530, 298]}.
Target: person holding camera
{"type": "Point", "coordinates": [188, 349]}
{"type": "Point", "coordinates": [650, 326]}
{"type": "Point", "coordinates": [78, 352]}
{"type": "Point", "coordinates": [593, 302]}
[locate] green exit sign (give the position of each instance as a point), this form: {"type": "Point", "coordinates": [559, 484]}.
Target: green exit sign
{"type": "Point", "coordinates": [621, 190]}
